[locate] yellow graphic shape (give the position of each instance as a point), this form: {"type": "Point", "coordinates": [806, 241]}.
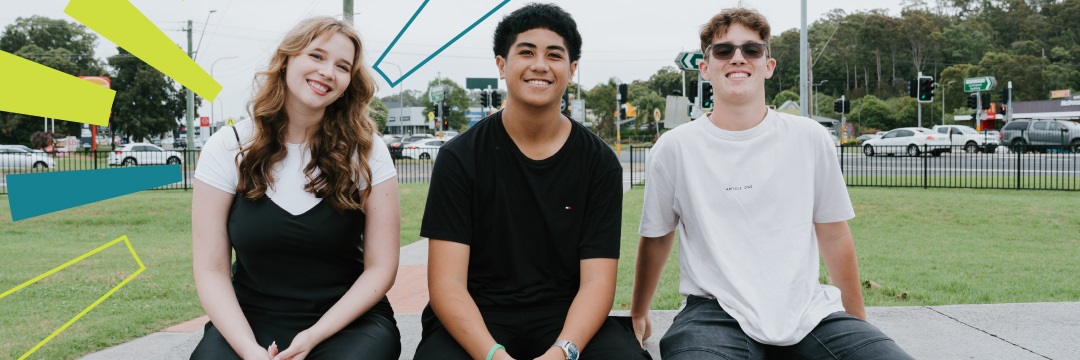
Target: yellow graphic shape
{"type": "Point", "coordinates": [72, 262]}
{"type": "Point", "coordinates": [38, 90]}
{"type": "Point", "coordinates": [123, 24]}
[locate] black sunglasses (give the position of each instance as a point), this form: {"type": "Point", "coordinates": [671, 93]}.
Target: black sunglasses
{"type": "Point", "coordinates": [726, 51]}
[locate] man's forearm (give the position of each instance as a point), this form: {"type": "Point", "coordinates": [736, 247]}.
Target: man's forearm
{"type": "Point", "coordinates": [459, 314]}
{"type": "Point", "coordinates": [592, 303]}
{"type": "Point", "coordinates": [652, 255]}
{"type": "Point", "coordinates": [838, 250]}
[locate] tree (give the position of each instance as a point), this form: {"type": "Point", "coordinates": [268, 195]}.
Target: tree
{"type": "Point", "coordinates": [601, 101]}
{"type": "Point", "coordinates": [785, 96]}
{"type": "Point", "coordinates": [871, 112]}
{"type": "Point", "coordinates": [147, 102]}
{"type": "Point", "coordinates": [58, 44]}
{"type": "Point", "coordinates": [456, 98]}
{"type": "Point", "coordinates": [378, 114]}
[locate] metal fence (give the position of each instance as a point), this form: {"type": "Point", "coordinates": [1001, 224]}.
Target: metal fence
{"type": "Point", "coordinates": [1031, 167]}
{"type": "Point", "coordinates": [409, 170]}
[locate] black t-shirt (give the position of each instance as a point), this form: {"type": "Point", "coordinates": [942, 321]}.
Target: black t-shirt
{"type": "Point", "coordinates": [528, 222]}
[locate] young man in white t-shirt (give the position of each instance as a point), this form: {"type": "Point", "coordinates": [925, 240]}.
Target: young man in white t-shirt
{"type": "Point", "coordinates": [756, 195]}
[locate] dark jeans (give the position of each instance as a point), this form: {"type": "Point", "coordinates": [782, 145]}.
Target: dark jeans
{"type": "Point", "coordinates": [373, 336]}
{"type": "Point", "coordinates": [528, 333]}
{"type": "Point", "coordinates": [703, 330]}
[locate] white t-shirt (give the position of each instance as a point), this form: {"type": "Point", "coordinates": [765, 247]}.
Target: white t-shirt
{"type": "Point", "coordinates": [745, 203]}
{"type": "Point", "coordinates": [218, 168]}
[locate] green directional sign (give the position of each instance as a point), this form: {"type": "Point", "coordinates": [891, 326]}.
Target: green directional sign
{"type": "Point", "coordinates": [689, 60]}
{"type": "Point", "coordinates": [979, 84]}
{"type": "Point", "coordinates": [481, 83]}
{"type": "Point", "coordinates": [436, 93]}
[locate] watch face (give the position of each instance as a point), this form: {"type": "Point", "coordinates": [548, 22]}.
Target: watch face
{"type": "Point", "coordinates": [572, 351]}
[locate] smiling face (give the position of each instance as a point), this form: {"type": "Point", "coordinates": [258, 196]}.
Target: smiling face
{"type": "Point", "coordinates": [537, 69]}
{"type": "Point", "coordinates": [319, 74]}
{"type": "Point", "coordinates": [738, 80]}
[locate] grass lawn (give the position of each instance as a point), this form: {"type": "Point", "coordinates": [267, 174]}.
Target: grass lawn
{"type": "Point", "coordinates": [923, 247]}
{"type": "Point", "coordinates": [158, 224]}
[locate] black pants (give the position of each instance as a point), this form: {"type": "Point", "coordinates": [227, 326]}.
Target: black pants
{"type": "Point", "coordinates": [373, 336]}
{"type": "Point", "coordinates": [529, 333]}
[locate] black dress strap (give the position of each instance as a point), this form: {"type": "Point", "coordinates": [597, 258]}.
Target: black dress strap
{"type": "Point", "coordinates": [237, 135]}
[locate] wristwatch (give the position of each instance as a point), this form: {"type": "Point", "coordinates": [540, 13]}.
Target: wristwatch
{"type": "Point", "coordinates": [568, 348]}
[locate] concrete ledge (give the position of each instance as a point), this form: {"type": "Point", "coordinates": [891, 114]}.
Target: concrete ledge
{"type": "Point", "coordinates": [999, 331]}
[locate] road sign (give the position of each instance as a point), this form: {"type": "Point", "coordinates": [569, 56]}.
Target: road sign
{"type": "Point", "coordinates": [204, 121]}
{"type": "Point", "coordinates": [689, 60]}
{"type": "Point", "coordinates": [577, 109]}
{"type": "Point", "coordinates": [978, 84]}
{"type": "Point", "coordinates": [481, 83]}
{"type": "Point", "coordinates": [436, 94]}
{"type": "Point", "coordinates": [430, 115]}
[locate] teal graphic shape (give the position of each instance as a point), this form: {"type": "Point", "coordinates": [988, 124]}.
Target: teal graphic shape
{"type": "Point", "coordinates": [38, 194]}
{"type": "Point", "coordinates": [436, 53]}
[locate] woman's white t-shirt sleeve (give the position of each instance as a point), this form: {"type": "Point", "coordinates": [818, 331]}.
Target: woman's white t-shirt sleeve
{"type": "Point", "coordinates": [217, 161]}
{"type": "Point", "coordinates": [382, 166]}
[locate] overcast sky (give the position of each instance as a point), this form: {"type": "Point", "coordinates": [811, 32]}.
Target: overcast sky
{"type": "Point", "coordinates": [629, 40]}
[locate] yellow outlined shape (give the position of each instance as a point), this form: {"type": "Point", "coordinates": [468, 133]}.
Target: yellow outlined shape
{"type": "Point", "coordinates": [88, 308]}
{"type": "Point", "coordinates": [123, 24]}
{"type": "Point", "coordinates": [37, 90]}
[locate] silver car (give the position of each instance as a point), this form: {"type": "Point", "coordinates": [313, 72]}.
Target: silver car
{"type": "Point", "coordinates": [13, 157]}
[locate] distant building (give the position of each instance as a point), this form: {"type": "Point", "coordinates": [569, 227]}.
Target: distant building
{"type": "Point", "coordinates": [407, 121]}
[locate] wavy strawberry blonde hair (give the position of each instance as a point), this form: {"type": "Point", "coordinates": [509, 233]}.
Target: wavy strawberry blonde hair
{"type": "Point", "coordinates": [340, 144]}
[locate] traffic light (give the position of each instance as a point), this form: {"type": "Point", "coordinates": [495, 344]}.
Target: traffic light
{"type": "Point", "coordinates": [913, 88]}
{"type": "Point", "coordinates": [926, 89]}
{"type": "Point", "coordinates": [623, 93]}
{"type": "Point", "coordinates": [706, 95]}
{"type": "Point", "coordinates": [484, 99]}
{"type": "Point", "coordinates": [973, 101]}
{"type": "Point", "coordinates": [622, 112]}
{"type": "Point", "coordinates": [842, 106]}
{"type": "Point", "coordinates": [496, 99]}
{"type": "Point", "coordinates": [1005, 92]}
{"type": "Point", "coordinates": [985, 101]}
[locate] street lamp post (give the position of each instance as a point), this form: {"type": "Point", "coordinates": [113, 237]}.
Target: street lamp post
{"type": "Point", "coordinates": [817, 86]}
{"type": "Point", "coordinates": [943, 100]}
{"type": "Point", "coordinates": [401, 89]}
{"type": "Point", "coordinates": [212, 117]}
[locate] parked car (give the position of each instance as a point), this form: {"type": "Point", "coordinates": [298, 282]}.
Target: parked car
{"type": "Point", "coordinates": [22, 147]}
{"type": "Point", "coordinates": [415, 138]}
{"type": "Point", "coordinates": [864, 137]}
{"type": "Point", "coordinates": [14, 157]}
{"type": "Point", "coordinates": [912, 141]}
{"type": "Point", "coordinates": [143, 154]}
{"type": "Point", "coordinates": [423, 149]}
{"type": "Point", "coordinates": [965, 137]}
{"type": "Point", "coordinates": [1041, 135]}
{"type": "Point", "coordinates": [389, 138]}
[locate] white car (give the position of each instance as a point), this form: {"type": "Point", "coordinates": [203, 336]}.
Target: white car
{"type": "Point", "coordinates": [143, 154]}
{"type": "Point", "coordinates": [14, 157]}
{"type": "Point", "coordinates": [912, 141]}
{"type": "Point", "coordinates": [965, 137]}
{"type": "Point", "coordinates": [423, 149]}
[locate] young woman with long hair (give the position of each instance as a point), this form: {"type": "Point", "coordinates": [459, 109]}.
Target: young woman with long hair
{"type": "Point", "coordinates": [306, 196]}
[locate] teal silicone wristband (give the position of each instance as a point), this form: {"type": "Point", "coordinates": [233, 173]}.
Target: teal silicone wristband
{"type": "Point", "coordinates": [494, 348]}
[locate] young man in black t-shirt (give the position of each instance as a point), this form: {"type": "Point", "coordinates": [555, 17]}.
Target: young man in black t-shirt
{"type": "Point", "coordinates": [524, 217]}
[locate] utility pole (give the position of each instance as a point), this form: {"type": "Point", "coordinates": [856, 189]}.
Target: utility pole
{"type": "Point", "coordinates": [804, 63]}
{"type": "Point", "coordinates": [918, 95]}
{"type": "Point", "coordinates": [348, 10]}
{"type": "Point", "coordinates": [190, 98]}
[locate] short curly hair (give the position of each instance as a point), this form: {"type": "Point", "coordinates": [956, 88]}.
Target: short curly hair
{"type": "Point", "coordinates": [537, 16]}
{"type": "Point", "coordinates": [719, 25]}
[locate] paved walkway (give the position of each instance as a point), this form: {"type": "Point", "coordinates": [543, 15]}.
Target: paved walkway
{"type": "Point", "coordinates": [998, 331]}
